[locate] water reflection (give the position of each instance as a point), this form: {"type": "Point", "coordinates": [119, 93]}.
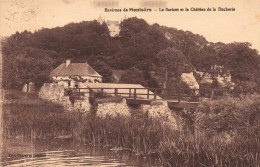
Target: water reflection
{"type": "Point", "coordinates": [66, 153]}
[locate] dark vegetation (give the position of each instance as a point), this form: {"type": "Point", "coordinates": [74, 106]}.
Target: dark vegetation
{"type": "Point", "coordinates": [225, 132]}
{"type": "Point", "coordinates": [151, 55]}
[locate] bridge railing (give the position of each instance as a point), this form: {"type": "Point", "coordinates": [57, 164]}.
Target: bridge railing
{"type": "Point", "coordinates": [148, 93]}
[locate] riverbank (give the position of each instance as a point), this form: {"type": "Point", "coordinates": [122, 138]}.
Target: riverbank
{"type": "Point", "coordinates": [219, 133]}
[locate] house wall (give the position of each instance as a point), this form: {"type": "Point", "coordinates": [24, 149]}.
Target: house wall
{"type": "Point", "coordinates": [114, 29]}
{"type": "Point", "coordinates": [72, 81]}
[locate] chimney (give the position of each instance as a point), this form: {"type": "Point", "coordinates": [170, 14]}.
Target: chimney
{"type": "Point", "coordinates": [68, 62]}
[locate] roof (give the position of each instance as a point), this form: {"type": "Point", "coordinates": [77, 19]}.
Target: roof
{"type": "Point", "coordinates": [113, 85]}
{"type": "Point", "coordinates": [75, 69]}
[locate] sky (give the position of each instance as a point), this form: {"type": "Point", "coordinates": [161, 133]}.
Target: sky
{"type": "Point", "coordinates": [241, 25]}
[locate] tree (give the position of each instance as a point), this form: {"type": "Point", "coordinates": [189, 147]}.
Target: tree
{"type": "Point", "coordinates": [133, 76]}
{"type": "Point", "coordinates": [171, 63]}
{"type": "Point", "coordinates": [23, 64]}
{"type": "Point", "coordinates": [103, 69]}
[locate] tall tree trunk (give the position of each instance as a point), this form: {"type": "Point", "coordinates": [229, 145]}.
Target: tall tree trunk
{"type": "Point", "coordinates": [165, 81]}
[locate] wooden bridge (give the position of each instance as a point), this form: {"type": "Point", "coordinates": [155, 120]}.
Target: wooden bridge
{"type": "Point", "coordinates": [176, 98]}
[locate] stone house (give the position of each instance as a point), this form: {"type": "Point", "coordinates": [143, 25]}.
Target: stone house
{"type": "Point", "coordinates": [73, 75]}
{"type": "Point", "coordinates": [113, 26]}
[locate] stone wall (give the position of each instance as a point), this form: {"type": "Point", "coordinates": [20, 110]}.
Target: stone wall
{"type": "Point", "coordinates": [160, 110]}
{"type": "Point", "coordinates": [55, 93]}
{"type": "Point", "coordinates": [113, 109]}
{"type": "Point", "coordinates": [83, 105]}
{"type": "Point", "coordinates": [157, 110]}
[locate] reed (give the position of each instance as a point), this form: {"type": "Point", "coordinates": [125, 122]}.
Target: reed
{"type": "Point", "coordinates": [226, 131]}
{"type": "Point", "coordinates": [187, 150]}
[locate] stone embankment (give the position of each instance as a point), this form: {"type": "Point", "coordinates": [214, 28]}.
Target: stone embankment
{"type": "Point", "coordinates": [55, 93]}
{"type": "Point", "coordinates": [157, 110]}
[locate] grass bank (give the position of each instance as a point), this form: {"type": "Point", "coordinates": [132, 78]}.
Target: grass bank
{"type": "Point", "coordinates": [226, 131]}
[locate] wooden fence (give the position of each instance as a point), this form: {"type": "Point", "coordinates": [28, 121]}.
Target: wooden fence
{"type": "Point", "coordinates": [148, 93]}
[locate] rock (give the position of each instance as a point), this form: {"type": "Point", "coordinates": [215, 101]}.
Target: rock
{"type": "Point", "coordinates": [25, 88]}
{"type": "Point", "coordinates": [223, 80]}
{"type": "Point", "coordinates": [55, 93]}
{"type": "Point", "coordinates": [190, 80]}
{"type": "Point", "coordinates": [160, 110]}
{"type": "Point", "coordinates": [113, 109]}
{"type": "Point", "coordinates": [31, 87]}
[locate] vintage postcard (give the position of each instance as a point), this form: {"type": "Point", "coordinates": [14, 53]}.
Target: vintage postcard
{"type": "Point", "coordinates": [130, 83]}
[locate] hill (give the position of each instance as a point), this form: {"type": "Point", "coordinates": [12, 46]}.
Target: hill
{"type": "Point", "coordinates": [151, 55]}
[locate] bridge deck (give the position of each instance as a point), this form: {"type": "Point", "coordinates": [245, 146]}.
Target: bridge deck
{"type": "Point", "coordinates": [171, 103]}
{"type": "Point", "coordinates": [136, 94]}
{"type": "Point", "coordinates": [182, 104]}
{"type": "Point", "coordinates": [138, 101]}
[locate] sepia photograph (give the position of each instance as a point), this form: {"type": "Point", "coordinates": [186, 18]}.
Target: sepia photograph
{"type": "Point", "coordinates": [130, 83]}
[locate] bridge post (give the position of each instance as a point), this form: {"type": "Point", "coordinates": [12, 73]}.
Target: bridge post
{"type": "Point", "coordinates": [90, 92]}
{"type": "Point", "coordinates": [192, 96]}
{"type": "Point", "coordinates": [179, 96]}
{"type": "Point", "coordinates": [79, 91]}
{"type": "Point", "coordinates": [130, 92]}
{"type": "Point", "coordinates": [155, 93]}
{"type": "Point", "coordinates": [134, 93]}
{"type": "Point", "coordinates": [147, 93]}
{"type": "Point", "coordinates": [102, 92]}
{"type": "Point", "coordinates": [212, 94]}
{"type": "Point", "coordinates": [116, 91]}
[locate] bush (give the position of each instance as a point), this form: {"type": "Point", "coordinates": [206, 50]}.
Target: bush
{"type": "Point", "coordinates": [231, 114]}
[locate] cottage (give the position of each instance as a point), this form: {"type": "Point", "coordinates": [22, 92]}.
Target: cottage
{"type": "Point", "coordinates": [73, 75]}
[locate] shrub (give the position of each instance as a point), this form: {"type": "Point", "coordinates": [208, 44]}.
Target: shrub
{"type": "Point", "coordinates": [231, 114]}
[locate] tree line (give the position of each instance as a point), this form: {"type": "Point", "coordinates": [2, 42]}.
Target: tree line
{"type": "Point", "coordinates": [151, 55]}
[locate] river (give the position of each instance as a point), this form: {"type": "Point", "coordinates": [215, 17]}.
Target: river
{"type": "Point", "coordinates": [65, 152]}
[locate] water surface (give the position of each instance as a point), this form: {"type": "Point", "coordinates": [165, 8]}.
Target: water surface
{"type": "Point", "coordinates": [60, 152]}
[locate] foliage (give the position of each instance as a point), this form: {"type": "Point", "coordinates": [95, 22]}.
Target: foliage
{"type": "Point", "coordinates": [133, 76]}
{"type": "Point", "coordinates": [23, 65]}
{"type": "Point", "coordinates": [170, 63]}
{"type": "Point", "coordinates": [173, 61]}
{"type": "Point", "coordinates": [103, 69]}
{"type": "Point", "coordinates": [241, 60]}
{"type": "Point", "coordinates": [139, 45]}
{"type": "Point", "coordinates": [239, 115]}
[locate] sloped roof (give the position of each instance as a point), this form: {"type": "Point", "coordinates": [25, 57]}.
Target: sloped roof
{"type": "Point", "coordinates": [113, 85]}
{"type": "Point", "coordinates": [75, 69]}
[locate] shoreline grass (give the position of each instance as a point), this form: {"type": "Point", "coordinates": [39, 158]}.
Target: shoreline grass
{"type": "Point", "coordinates": [226, 131]}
